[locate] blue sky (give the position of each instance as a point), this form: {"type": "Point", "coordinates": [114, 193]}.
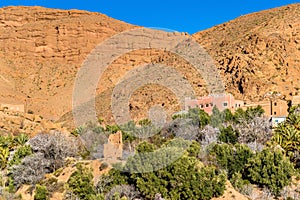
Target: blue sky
{"type": "Point", "coordinates": [180, 15]}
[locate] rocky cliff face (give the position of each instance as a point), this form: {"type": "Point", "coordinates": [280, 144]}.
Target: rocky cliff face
{"type": "Point", "coordinates": [42, 49]}
{"type": "Point", "coordinates": [258, 53]}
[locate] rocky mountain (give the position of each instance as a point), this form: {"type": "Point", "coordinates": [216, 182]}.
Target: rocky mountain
{"type": "Point", "coordinates": [257, 53]}
{"type": "Point", "coordinates": [42, 49]}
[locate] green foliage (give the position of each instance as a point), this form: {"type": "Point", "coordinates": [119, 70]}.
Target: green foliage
{"type": "Point", "coordinates": [144, 122]}
{"type": "Point", "coordinates": [145, 147]}
{"type": "Point", "coordinates": [227, 115]}
{"type": "Point", "coordinates": [11, 185]}
{"type": "Point", "coordinates": [194, 149]}
{"type": "Point", "coordinates": [21, 139]}
{"type": "Point", "coordinates": [183, 178]}
{"type": "Point", "coordinates": [216, 118]}
{"type": "Point", "coordinates": [41, 193]}
{"type": "Point", "coordinates": [228, 135]}
{"type": "Point", "coordinates": [199, 117]}
{"type": "Point", "coordinates": [232, 158]}
{"type": "Point", "coordinates": [4, 155]}
{"type": "Point", "coordinates": [112, 128]}
{"type": "Point", "coordinates": [81, 183]}
{"type": "Point", "coordinates": [287, 137]}
{"type": "Point", "coordinates": [6, 142]}
{"type": "Point", "coordinates": [294, 109]}
{"type": "Point", "coordinates": [78, 131]}
{"type": "Point", "coordinates": [270, 168]}
{"type": "Point", "coordinates": [19, 154]}
{"type": "Point", "coordinates": [249, 114]}
{"type": "Point", "coordinates": [293, 119]}
{"type": "Point", "coordinates": [238, 182]}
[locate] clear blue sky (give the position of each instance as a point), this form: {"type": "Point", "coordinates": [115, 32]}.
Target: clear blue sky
{"type": "Point", "coordinates": [180, 15]}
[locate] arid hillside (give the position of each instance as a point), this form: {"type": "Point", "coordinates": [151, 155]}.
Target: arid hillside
{"type": "Point", "coordinates": [42, 49]}
{"type": "Point", "coordinates": [257, 53]}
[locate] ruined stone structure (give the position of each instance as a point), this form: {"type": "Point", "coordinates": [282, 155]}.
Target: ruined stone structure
{"type": "Point", "coordinates": [114, 147]}
{"type": "Point", "coordinates": [13, 107]}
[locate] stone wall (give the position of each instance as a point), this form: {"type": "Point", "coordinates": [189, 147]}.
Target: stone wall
{"type": "Point", "coordinates": [114, 147]}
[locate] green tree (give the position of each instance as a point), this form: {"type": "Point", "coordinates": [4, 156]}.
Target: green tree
{"type": "Point", "coordinates": [270, 168]}
{"type": "Point", "coordinates": [81, 183]}
{"type": "Point", "coordinates": [183, 178]}
{"type": "Point", "coordinates": [227, 115]}
{"type": "Point", "coordinates": [216, 118]}
{"type": "Point", "coordinates": [228, 135]}
{"type": "Point", "coordinates": [199, 117]}
{"type": "Point", "coordinates": [232, 158]}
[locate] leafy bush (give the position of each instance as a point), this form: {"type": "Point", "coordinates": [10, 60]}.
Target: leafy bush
{"type": "Point", "coordinates": [216, 118]}
{"type": "Point", "coordinates": [41, 193]}
{"type": "Point", "coordinates": [19, 154]}
{"type": "Point", "coordinates": [228, 135]}
{"type": "Point", "coordinates": [81, 183]}
{"type": "Point", "coordinates": [183, 178]}
{"type": "Point", "coordinates": [4, 155]}
{"type": "Point", "coordinates": [198, 116]}
{"type": "Point", "coordinates": [232, 158]}
{"type": "Point", "coordinates": [270, 168]}
{"type": "Point", "coordinates": [122, 192]}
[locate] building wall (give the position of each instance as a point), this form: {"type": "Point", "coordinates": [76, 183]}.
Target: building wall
{"type": "Point", "coordinates": [114, 147]}
{"type": "Point", "coordinates": [279, 108]}
{"type": "Point", "coordinates": [221, 101]}
{"type": "Point", "coordinates": [295, 100]}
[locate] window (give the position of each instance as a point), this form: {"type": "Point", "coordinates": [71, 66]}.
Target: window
{"type": "Point", "coordinates": [201, 106]}
{"type": "Point", "coordinates": [207, 105]}
{"type": "Point", "coordinates": [211, 105]}
{"type": "Point", "coordinates": [225, 104]}
{"type": "Point", "coordinates": [274, 113]}
{"type": "Point", "coordinates": [275, 104]}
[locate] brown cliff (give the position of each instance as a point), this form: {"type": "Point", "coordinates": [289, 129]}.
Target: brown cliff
{"type": "Point", "coordinates": [42, 49]}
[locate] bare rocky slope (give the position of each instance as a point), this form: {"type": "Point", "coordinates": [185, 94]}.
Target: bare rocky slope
{"type": "Point", "coordinates": [257, 53]}
{"type": "Point", "coordinates": [42, 49]}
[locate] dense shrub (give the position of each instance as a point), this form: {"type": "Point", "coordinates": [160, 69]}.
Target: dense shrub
{"type": "Point", "coordinates": [232, 158]}
{"type": "Point", "coordinates": [19, 154]}
{"type": "Point", "coordinates": [198, 116]}
{"type": "Point", "coordinates": [41, 193]}
{"type": "Point", "coordinates": [55, 147]}
{"type": "Point", "coordinates": [31, 170]}
{"type": "Point", "coordinates": [270, 168]}
{"type": "Point", "coordinates": [228, 135]}
{"type": "Point", "coordinates": [183, 178]}
{"type": "Point", "coordinates": [81, 183]}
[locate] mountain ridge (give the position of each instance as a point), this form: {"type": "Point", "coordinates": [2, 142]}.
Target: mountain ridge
{"type": "Point", "coordinates": [255, 54]}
